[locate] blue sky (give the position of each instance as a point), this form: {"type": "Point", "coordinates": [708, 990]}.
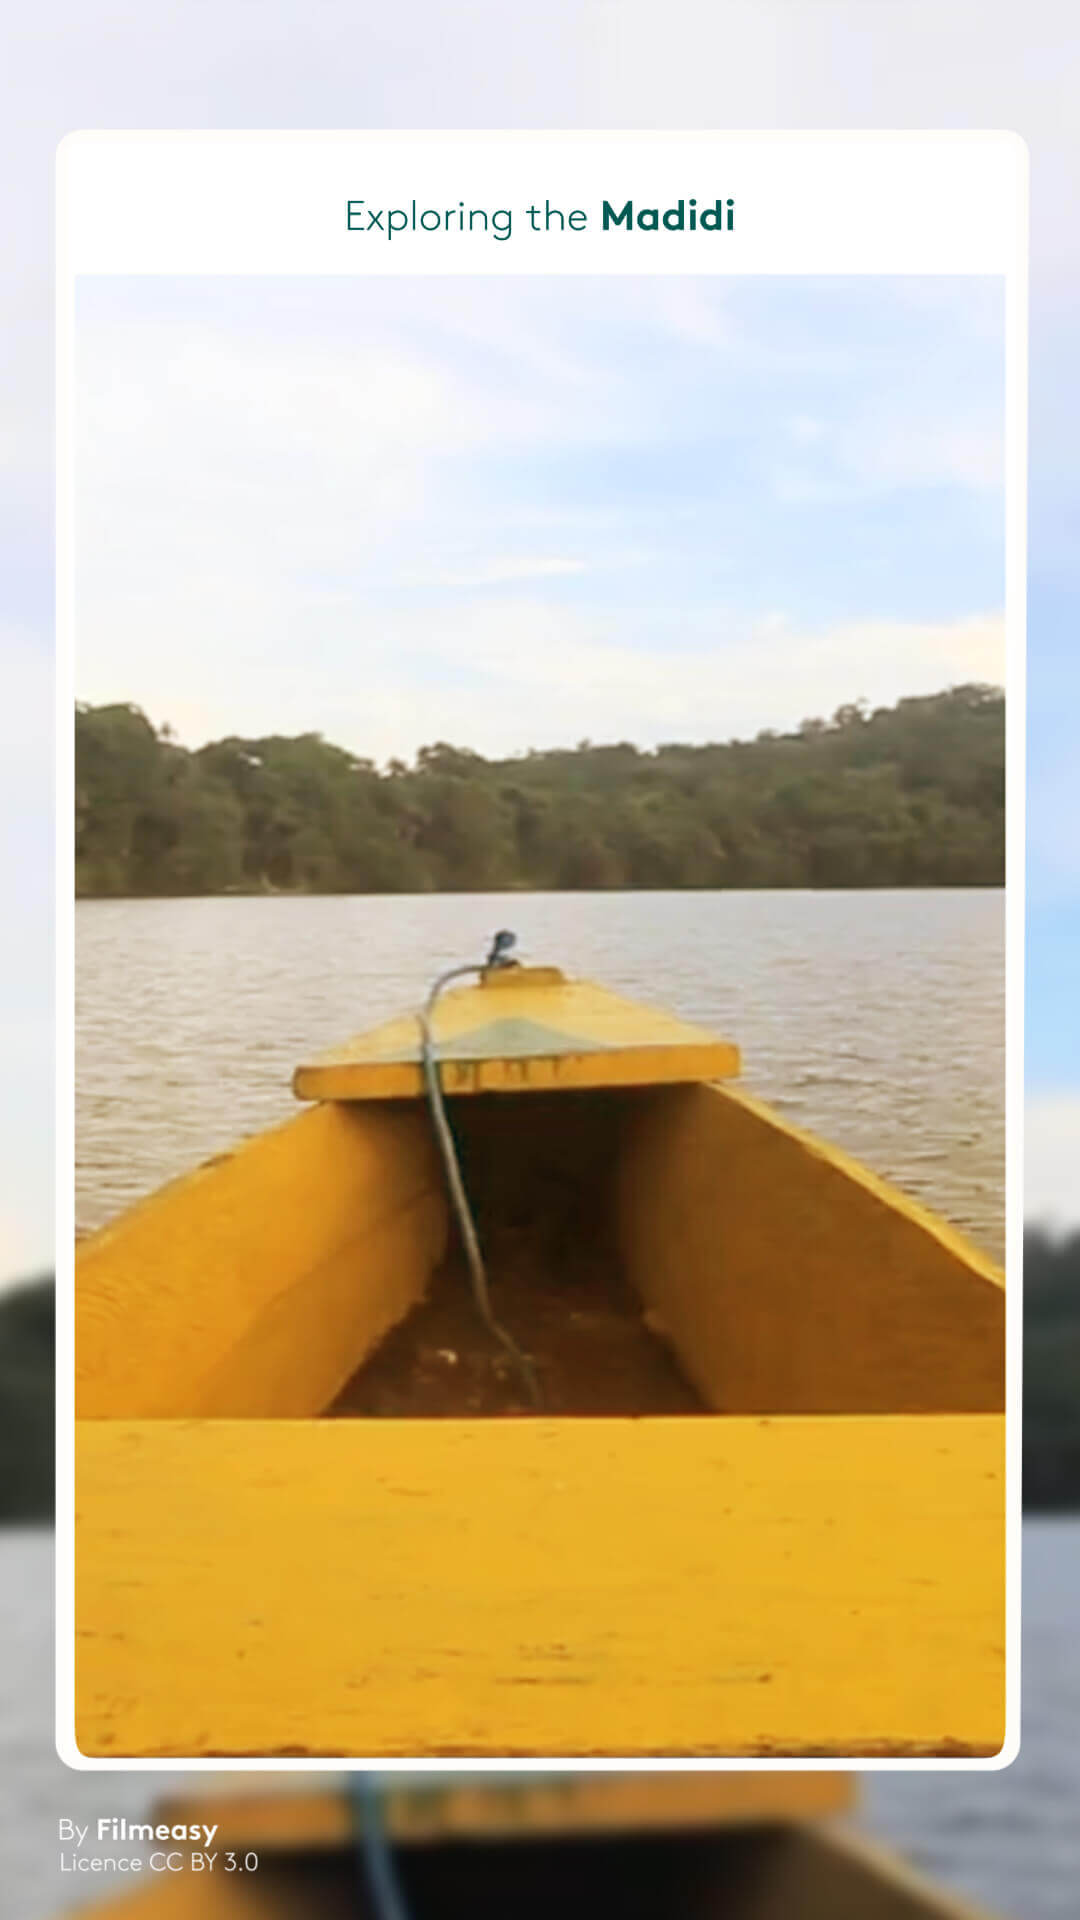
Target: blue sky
{"type": "Point", "coordinates": [517, 512]}
{"type": "Point", "coordinates": [325, 63]}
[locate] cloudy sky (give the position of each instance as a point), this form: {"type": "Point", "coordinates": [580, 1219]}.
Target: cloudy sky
{"type": "Point", "coordinates": [516, 512]}
{"type": "Point", "coordinates": [597, 63]}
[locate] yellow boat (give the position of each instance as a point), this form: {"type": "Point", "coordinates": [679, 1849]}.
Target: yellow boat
{"type": "Point", "coordinates": [751, 1499]}
{"type": "Point", "coordinates": [734, 1846]}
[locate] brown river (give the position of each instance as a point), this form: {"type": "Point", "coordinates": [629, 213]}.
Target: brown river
{"type": "Point", "coordinates": [877, 1019]}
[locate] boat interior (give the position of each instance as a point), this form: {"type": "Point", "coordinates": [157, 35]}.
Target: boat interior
{"type": "Point", "coordinates": [667, 1250]}
{"type": "Point", "coordinates": [541, 1173]}
{"type": "Point", "coordinates": [781, 1872]}
{"type": "Point", "coordinates": [736, 1846]}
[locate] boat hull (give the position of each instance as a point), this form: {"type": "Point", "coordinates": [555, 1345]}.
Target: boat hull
{"type": "Point", "coordinates": [787, 1277]}
{"type": "Point", "coordinates": [764, 1872]}
{"type": "Point", "coordinates": [812, 1566]}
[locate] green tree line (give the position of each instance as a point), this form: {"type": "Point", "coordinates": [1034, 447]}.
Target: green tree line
{"type": "Point", "coordinates": [910, 795]}
{"type": "Point", "coordinates": [1051, 1371]}
{"type": "Point", "coordinates": [1051, 1386]}
{"type": "Point", "coordinates": [27, 1363]}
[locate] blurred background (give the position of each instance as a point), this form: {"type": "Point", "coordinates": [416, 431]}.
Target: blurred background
{"type": "Point", "coordinates": [1008, 1840]}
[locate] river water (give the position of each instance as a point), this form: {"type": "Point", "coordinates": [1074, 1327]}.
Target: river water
{"type": "Point", "coordinates": [875, 1018]}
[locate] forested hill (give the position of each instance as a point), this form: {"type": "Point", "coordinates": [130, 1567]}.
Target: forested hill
{"type": "Point", "coordinates": [1051, 1371]}
{"type": "Point", "coordinates": [911, 795]}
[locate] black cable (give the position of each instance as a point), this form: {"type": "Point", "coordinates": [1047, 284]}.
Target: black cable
{"type": "Point", "coordinates": [374, 1853]}
{"type": "Point", "coordinates": [501, 945]}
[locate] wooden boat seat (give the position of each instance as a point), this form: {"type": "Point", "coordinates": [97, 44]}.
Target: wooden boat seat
{"type": "Point", "coordinates": [427, 1808]}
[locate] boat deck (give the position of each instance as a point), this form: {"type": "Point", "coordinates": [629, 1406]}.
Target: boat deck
{"type": "Point", "coordinates": [565, 1588]}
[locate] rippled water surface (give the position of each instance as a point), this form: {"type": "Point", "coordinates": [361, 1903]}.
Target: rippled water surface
{"type": "Point", "coordinates": [874, 1018]}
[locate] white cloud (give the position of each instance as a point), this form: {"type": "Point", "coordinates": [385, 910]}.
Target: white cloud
{"type": "Point", "coordinates": [1053, 804]}
{"type": "Point", "coordinates": [26, 958]}
{"type": "Point", "coordinates": [338, 517]}
{"type": "Point", "coordinates": [235, 471]}
{"type": "Point", "coordinates": [900, 454]}
{"type": "Point", "coordinates": [26, 1241]}
{"type": "Point", "coordinates": [693, 317]}
{"type": "Point", "coordinates": [885, 455]}
{"type": "Point", "coordinates": [567, 676]}
{"type": "Point", "coordinates": [504, 673]}
{"type": "Point", "coordinates": [491, 573]}
{"type": "Point", "coordinates": [26, 1120]}
{"type": "Point", "coordinates": [212, 450]}
{"type": "Point", "coordinates": [1052, 1160]}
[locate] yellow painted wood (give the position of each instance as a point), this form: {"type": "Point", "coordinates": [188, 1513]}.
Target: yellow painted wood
{"type": "Point", "coordinates": [522, 1030]}
{"type": "Point", "coordinates": [423, 1810]}
{"type": "Point", "coordinates": [256, 1284]}
{"type": "Point", "coordinates": [792, 1872]}
{"type": "Point", "coordinates": [825, 1586]}
{"type": "Point", "coordinates": [789, 1278]}
{"type": "Point", "coordinates": [822, 1873]}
